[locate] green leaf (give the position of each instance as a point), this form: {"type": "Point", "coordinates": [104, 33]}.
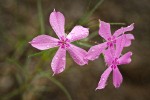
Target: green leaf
{"type": "Point", "coordinates": [36, 54]}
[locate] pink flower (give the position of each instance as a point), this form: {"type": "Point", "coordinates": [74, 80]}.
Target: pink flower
{"type": "Point", "coordinates": [44, 42]}
{"type": "Point", "coordinates": [113, 60]}
{"type": "Point", "coordinates": [105, 32]}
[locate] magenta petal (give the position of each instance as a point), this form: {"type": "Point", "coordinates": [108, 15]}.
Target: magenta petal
{"type": "Point", "coordinates": [77, 33]}
{"type": "Point", "coordinates": [125, 59]}
{"type": "Point", "coordinates": [129, 37]}
{"type": "Point", "coordinates": [120, 43]}
{"type": "Point", "coordinates": [59, 61]}
{"type": "Point", "coordinates": [103, 79]}
{"type": "Point", "coordinates": [108, 57]}
{"type": "Point", "coordinates": [77, 54]}
{"type": "Point", "coordinates": [43, 42]}
{"type": "Point", "coordinates": [117, 77]}
{"type": "Point", "coordinates": [104, 30]}
{"type": "Point", "coordinates": [57, 21]}
{"type": "Point", "coordinates": [95, 51]}
{"type": "Point", "coordinates": [123, 30]}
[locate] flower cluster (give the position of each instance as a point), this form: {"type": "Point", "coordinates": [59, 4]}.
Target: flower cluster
{"type": "Point", "coordinates": [111, 48]}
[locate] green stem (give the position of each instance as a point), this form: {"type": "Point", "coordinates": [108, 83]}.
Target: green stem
{"type": "Point", "coordinates": [40, 15]}
{"type": "Point", "coordinates": [83, 43]}
{"type": "Point", "coordinates": [117, 23]}
{"type": "Point", "coordinates": [56, 82]}
{"type": "Point", "coordinates": [36, 54]}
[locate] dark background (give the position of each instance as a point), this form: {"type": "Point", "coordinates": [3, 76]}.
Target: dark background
{"type": "Point", "coordinates": [20, 78]}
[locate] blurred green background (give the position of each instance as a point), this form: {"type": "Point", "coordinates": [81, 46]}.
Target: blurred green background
{"type": "Point", "coordinates": [25, 72]}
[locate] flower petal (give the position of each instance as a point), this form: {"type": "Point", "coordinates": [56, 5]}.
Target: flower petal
{"type": "Point", "coordinates": [77, 54]}
{"type": "Point", "coordinates": [103, 79]}
{"type": "Point", "coordinates": [129, 37]}
{"type": "Point", "coordinates": [43, 42]}
{"type": "Point", "coordinates": [123, 30]}
{"type": "Point", "coordinates": [125, 59]}
{"type": "Point", "coordinates": [108, 57]}
{"type": "Point", "coordinates": [77, 33]}
{"type": "Point", "coordinates": [95, 51]}
{"type": "Point", "coordinates": [59, 61]}
{"type": "Point", "coordinates": [104, 30]}
{"type": "Point", "coordinates": [120, 43]}
{"type": "Point", "coordinates": [117, 77]}
{"type": "Point", "coordinates": [57, 21]}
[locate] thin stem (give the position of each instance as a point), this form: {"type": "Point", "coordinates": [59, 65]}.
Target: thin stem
{"type": "Point", "coordinates": [56, 82]}
{"type": "Point", "coordinates": [36, 54]}
{"type": "Point", "coordinates": [40, 15]}
{"type": "Point", "coordinates": [86, 16]}
{"type": "Point", "coordinates": [117, 23]}
{"type": "Point", "coordinates": [82, 43]}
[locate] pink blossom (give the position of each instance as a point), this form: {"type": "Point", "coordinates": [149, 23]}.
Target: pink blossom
{"type": "Point", "coordinates": [113, 60]}
{"type": "Point", "coordinates": [110, 40]}
{"type": "Point", "coordinates": [44, 42]}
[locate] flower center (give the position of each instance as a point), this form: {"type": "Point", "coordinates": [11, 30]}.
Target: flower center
{"type": "Point", "coordinates": [114, 63]}
{"type": "Point", "coordinates": [64, 42]}
{"type": "Point", "coordinates": [111, 41]}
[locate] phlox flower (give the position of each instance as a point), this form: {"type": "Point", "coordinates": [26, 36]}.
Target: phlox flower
{"type": "Point", "coordinates": [110, 40]}
{"type": "Point", "coordinates": [44, 42]}
{"type": "Point", "coordinates": [113, 60]}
